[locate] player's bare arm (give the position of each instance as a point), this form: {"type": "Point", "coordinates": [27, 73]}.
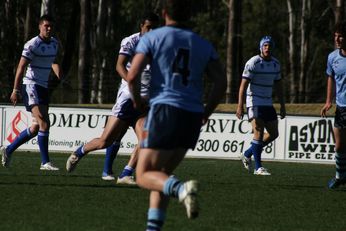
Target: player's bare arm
{"type": "Point", "coordinates": [280, 93]}
{"type": "Point", "coordinates": [57, 71]}
{"type": "Point", "coordinates": [23, 63]}
{"type": "Point", "coordinates": [240, 108]}
{"type": "Point", "coordinates": [121, 66]}
{"type": "Point", "coordinates": [328, 105]}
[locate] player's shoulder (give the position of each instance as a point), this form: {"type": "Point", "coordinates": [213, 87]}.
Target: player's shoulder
{"type": "Point", "coordinates": [34, 42]}
{"type": "Point", "coordinates": [133, 38]}
{"type": "Point", "coordinates": [254, 60]}
{"type": "Point", "coordinates": [333, 54]}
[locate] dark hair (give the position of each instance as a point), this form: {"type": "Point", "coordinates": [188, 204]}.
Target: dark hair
{"type": "Point", "coordinates": [340, 27]}
{"type": "Point", "coordinates": [178, 10]}
{"type": "Point", "coordinates": [152, 17]}
{"type": "Point", "coordinates": [45, 17]}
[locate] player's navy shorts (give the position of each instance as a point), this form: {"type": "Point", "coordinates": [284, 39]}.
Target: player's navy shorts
{"type": "Point", "coordinates": [34, 94]}
{"type": "Point", "coordinates": [266, 113]}
{"type": "Point", "coordinates": [169, 127]}
{"type": "Point", "coordinates": [340, 117]}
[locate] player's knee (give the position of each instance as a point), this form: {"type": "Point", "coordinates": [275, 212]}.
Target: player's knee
{"type": "Point", "coordinates": [34, 130]}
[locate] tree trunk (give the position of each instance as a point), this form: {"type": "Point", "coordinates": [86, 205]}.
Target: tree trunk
{"type": "Point", "coordinates": [304, 44]}
{"type": "Point", "coordinates": [47, 7]}
{"type": "Point", "coordinates": [234, 55]}
{"type": "Point", "coordinates": [84, 53]}
{"type": "Point", "coordinates": [230, 34]}
{"type": "Point", "coordinates": [291, 54]}
{"type": "Point", "coordinates": [339, 10]}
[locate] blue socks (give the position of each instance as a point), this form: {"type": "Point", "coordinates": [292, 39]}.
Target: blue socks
{"type": "Point", "coordinates": [172, 187]}
{"type": "Point", "coordinates": [80, 151]}
{"type": "Point", "coordinates": [256, 150]}
{"type": "Point", "coordinates": [23, 137]}
{"type": "Point", "coordinates": [257, 147]}
{"type": "Point", "coordinates": [156, 218]}
{"type": "Point", "coordinates": [128, 171]}
{"type": "Point", "coordinates": [43, 144]}
{"type": "Point", "coordinates": [111, 154]}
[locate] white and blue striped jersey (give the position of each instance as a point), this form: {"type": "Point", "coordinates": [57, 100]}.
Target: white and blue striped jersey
{"type": "Point", "coordinates": [127, 47]}
{"type": "Point", "coordinates": [178, 60]}
{"type": "Point", "coordinates": [336, 67]}
{"type": "Point", "coordinates": [41, 55]}
{"type": "Point", "coordinates": [262, 74]}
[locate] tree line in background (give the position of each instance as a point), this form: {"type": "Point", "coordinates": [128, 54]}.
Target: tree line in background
{"type": "Point", "coordinates": [90, 32]}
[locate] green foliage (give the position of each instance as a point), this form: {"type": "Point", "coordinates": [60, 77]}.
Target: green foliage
{"type": "Point", "coordinates": [209, 18]}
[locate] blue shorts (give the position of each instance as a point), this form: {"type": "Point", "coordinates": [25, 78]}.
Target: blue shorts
{"type": "Point", "coordinates": [266, 113]}
{"type": "Point", "coordinates": [340, 117]}
{"type": "Point", "coordinates": [168, 127]}
{"type": "Point", "coordinates": [34, 94]}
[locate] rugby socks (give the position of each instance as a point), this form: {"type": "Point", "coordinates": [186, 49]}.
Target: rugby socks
{"type": "Point", "coordinates": [42, 139]}
{"type": "Point", "coordinates": [80, 151]}
{"type": "Point", "coordinates": [156, 218]}
{"type": "Point", "coordinates": [128, 171]}
{"type": "Point", "coordinates": [173, 187]}
{"type": "Point", "coordinates": [248, 152]}
{"type": "Point", "coordinates": [22, 138]}
{"type": "Point", "coordinates": [257, 147]}
{"type": "Point", "coordinates": [111, 154]}
{"type": "Point", "coordinates": [340, 164]}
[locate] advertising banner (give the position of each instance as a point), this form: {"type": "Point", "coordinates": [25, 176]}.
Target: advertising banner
{"type": "Point", "coordinates": [224, 135]}
{"type": "Point", "coordinates": [310, 139]}
{"type": "Point", "coordinates": [301, 138]}
{"type": "Point", "coordinates": [70, 128]}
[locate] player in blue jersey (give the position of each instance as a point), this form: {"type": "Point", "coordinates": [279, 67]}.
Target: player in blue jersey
{"type": "Point", "coordinates": [178, 58]}
{"type": "Point", "coordinates": [336, 73]}
{"type": "Point", "coordinates": [123, 114]}
{"type": "Point", "coordinates": [35, 65]}
{"type": "Point", "coordinates": [261, 74]}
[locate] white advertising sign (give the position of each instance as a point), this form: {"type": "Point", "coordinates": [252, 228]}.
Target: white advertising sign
{"type": "Point", "coordinates": [310, 139]}
{"type": "Point", "coordinates": [301, 138]}
{"type": "Point", "coordinates": [224, 135]}
{"type": "Point", "coordinates": [70, 128]}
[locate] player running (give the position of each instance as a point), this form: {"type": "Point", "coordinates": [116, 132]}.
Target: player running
{"type": "Point", "coordinates": [123, 114]}
{"type": "Point", "coordinates": [178, 58]}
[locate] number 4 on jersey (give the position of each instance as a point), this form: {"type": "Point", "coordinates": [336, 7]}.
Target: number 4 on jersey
{"type": "Point", "coordinates": [181, 65]}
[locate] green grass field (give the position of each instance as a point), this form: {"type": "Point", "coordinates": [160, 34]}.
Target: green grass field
{"type": "Point", "coordinates": [295, 197]}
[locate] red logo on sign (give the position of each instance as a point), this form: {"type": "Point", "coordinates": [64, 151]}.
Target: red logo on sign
{"type": "Point", "coordinates": [16, 126]}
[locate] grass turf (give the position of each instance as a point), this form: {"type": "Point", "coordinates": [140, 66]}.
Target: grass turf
{"type": "Point", "coordinates": [295, 197]}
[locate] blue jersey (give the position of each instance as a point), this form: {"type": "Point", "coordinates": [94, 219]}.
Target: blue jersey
{"type": "Point", "coordinates": [41, 55]}
{"type": "Point", "coordinates": [261, 73]}
{"type": "Point", "coordinates": [178, 60]}
{"type": "Point", "coordinates": [336, 67]}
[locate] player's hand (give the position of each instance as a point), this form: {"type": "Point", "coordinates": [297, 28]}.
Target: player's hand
{"type": "Point", "coordinates": [325, 108]}
{"type": "Point", "coordinates": [14, 97]}
{"type": "Point", "coordinates": [240, 112]}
